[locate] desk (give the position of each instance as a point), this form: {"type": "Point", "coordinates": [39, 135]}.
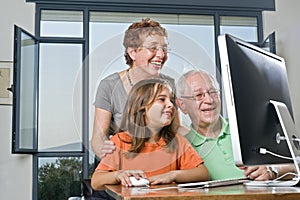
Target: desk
{"type": "Point", "coordinates": [217, 193]}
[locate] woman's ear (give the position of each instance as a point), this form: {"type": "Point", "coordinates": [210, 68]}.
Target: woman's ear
{"type": "Point", "coordinates": [131, 52]}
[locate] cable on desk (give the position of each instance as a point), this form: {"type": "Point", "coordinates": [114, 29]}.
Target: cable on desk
{"type": "Point", "coordinates": [283, 175]}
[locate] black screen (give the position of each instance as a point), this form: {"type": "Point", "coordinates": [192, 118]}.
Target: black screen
{"type": "Point", "coordinates": [257, 77]}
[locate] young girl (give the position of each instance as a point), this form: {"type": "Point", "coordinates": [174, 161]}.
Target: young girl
{"type": "Point", "coordinates": [147, 145]}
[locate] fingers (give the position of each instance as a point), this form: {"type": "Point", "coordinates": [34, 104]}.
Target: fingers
{"type": "Point", "coordinates": [249, 170]}
{"type": "Point", "coordinates": [124, 175]}
{"type": "Point", "coordinates": [107, 148]}
{"type": "Point", "coordinates": [258, 173]}
{"type": "Point", "coordinates": [108, 144]}
{"type": "Point", "coordinates": [160, 179]}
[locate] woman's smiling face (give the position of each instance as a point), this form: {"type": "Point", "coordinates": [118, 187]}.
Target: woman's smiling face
{"type": "Point", "coordinates": [152, 54]}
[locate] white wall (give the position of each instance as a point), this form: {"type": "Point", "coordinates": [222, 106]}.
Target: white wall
{"type": "Point", "coordinates": [285, 23]}
{"type": "Point", "coordinates": [16, 170]}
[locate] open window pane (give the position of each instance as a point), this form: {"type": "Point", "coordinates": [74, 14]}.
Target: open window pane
{"type": "Point", "coordinates": [269, 43]}
{"type": "Point", "coordinates": [25, 92]}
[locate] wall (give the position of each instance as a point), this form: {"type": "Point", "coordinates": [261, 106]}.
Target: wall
{"type": "Point", "coordinates": [16, 170]}
{"type": "Point", "coordinates": [285, 23]}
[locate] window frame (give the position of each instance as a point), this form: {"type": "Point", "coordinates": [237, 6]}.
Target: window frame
{"type": "Point", "coordinates": [16, 89]}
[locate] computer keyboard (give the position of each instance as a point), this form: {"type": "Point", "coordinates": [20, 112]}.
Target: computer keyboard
{"type": "Point", "coordinates": [214, 183]}
{"type": "Point", "coordinates": [245, 181]}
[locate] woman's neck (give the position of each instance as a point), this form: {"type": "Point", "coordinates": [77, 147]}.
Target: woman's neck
{"type": "Point", "coordinates": [137, 74]}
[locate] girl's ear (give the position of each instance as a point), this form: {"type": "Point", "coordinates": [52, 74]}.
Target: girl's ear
{"type": "Point", "coordinates": [131, 52]}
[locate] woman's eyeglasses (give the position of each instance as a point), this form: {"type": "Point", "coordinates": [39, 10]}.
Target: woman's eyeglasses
{"type": "Point", "coordinates": [155, 49]}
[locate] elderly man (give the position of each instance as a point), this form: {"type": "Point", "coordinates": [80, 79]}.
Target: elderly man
{"type": "Point", "coordinates": [198, 96]}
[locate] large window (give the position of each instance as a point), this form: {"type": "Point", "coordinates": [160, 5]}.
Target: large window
{"type": "Point", "coordinates": [191, 43]}
{"type": "Point", "coordinates": [76, 46]}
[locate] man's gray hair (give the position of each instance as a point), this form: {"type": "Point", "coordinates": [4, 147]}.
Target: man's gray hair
{"type": "Point", "coordinates": [182, 85]}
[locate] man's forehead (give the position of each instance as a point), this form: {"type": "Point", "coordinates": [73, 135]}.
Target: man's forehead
{"type": "Point", "coordinates": [199, 82]}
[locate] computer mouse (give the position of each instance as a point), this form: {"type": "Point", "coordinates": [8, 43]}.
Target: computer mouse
{"type": "Point", "coordinates": [138, 182]}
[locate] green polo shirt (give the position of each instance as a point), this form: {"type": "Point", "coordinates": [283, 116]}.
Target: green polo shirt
{"type": "Point", "coordinates": [216, 153]}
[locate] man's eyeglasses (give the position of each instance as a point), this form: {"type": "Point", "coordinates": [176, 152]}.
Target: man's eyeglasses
{"type": "Point", "coordinates": [155, 49]}
{"type": "Point", "coordinates": [199, 96]}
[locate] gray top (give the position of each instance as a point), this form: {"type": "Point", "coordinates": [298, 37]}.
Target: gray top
{"type": "Point", "coordinates": [111, 96]}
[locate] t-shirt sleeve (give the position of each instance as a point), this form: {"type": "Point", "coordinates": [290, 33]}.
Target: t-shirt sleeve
{"type": "Point", "coordinates": [103, 96]}
{"type": "Point", "coordinates": [188, 158]}
{"type": "Point", "coordinates": [111, 162]}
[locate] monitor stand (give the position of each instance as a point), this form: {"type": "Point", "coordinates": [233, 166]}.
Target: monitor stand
{"type": "Point", "coordinates": [290, 136]}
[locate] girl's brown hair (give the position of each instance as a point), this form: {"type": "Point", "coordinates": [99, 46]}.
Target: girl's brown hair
{"type": "Point", "coordinates": [134, 119]}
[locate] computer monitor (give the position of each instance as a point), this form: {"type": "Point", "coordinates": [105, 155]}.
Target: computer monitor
{"type": "Point", "coordinates": [254, 78]}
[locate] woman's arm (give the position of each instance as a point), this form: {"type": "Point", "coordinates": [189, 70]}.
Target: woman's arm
{"type": "Point", "coordinates": [102, 120]}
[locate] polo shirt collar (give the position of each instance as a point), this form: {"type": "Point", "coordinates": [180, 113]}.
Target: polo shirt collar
{"type": "Point", "coordinates": [197, 139]}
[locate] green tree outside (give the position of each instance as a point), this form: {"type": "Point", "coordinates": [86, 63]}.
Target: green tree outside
{"type": "Point", "coordinates": [61, 179]}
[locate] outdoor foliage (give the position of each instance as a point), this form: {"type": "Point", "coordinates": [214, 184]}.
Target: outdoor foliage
{"type": "Point", "coordinates": [60, 179]}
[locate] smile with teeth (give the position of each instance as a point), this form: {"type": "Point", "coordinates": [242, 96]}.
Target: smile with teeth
{"type": "Point", "coordinates": [207, 109]}
{"type": "Point", "coordinates": [159, 63]}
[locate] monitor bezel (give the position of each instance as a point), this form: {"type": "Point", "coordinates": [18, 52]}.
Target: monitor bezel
{"type": "Point", "coordinates": [230, 99]}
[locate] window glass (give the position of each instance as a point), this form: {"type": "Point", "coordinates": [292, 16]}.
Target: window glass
{"type": "Point", "coordinates": [59, 177]}
{"type": "Point", "coordinates": [55, 23]}
{"type": "Point", "coordinates": [191, 40]}
{"type": "Point", "coordinates": [242, 27]}
{"type": "Point", "coordinates": [27, 93]}
{"type": "Point", "coordinates": [60, 97]}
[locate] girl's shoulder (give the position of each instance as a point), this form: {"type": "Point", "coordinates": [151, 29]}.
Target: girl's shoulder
{"type": "Point", "coordinates": [121, 137]}
{"type": "Point", "coordinates": [181, 139]}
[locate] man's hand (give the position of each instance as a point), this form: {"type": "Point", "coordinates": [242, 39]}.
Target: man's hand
{"type": "Point", "coordinates": [258, 173]}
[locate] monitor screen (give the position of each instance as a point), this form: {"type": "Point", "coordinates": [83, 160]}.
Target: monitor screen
{"type": "Point", "coordinates": [251, 78]}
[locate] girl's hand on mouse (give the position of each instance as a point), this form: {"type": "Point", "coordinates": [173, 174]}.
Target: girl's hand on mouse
{"type": "Point", "coordinates": [122, 176]}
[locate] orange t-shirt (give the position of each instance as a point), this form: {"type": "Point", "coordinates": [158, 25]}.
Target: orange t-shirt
{"type": "Point", "coordinates": [153, 159]}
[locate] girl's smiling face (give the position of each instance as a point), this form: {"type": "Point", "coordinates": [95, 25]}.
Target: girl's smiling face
{"type": "Point", "coordinates": [161, 112]}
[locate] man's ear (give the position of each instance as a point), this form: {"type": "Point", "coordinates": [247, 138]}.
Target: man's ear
{"type": "Point", "coordinates": [181, 105]}
{"type": "Point", "coordinates": [131, 52]}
